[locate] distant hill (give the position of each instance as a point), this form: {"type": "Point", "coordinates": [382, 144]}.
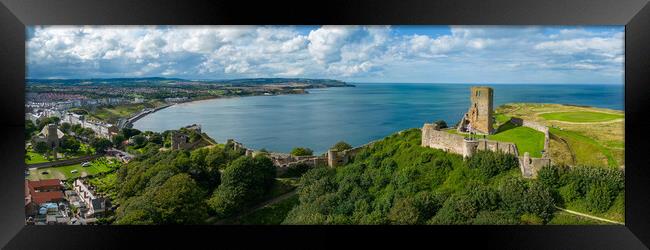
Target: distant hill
{"type": "Point", "coordinates": [162, 80]}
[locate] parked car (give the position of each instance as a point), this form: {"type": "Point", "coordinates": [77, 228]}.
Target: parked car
{"type": "Point", "coordinates": [45, 172]}
{"type": "Point", "coordinates": [85, 164]}
{"type": "Point", "coordinates": [73, 171]}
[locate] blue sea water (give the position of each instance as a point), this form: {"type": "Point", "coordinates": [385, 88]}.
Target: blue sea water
{"type": "Point", "coordinates": [356, 115]}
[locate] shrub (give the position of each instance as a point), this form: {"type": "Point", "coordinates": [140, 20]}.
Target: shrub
{"type": "Point", "coordinates": [497, 217]}
{"type": "Point", "coordinates": [301, 151]}
{"type": "Point", "coordinates": [341, 146]}
{"type": "Point", "coordinates": [599, 198]}
{"type": "Point", "coordinates": [441, 123]}
{"type": "Point", "coordinates": [404, 212]}
{"type": "Point", "coordinates": [570, 192]}
{"type": "Point", "coordinates": [296, 170]}
{"type": "Point", "coordinates": [491, 163]}
{"type": "Point", "coordinates": [549, 176]}
{"type": "Point", "coordinates": [539, 201]}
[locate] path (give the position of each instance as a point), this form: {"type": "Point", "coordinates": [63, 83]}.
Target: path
{"type": "Point", "coordinates": [258, 207]}
{"type": "Point", "coordinates": [589, 216]}
{"type": "Point", "coordinates": [588, 123]}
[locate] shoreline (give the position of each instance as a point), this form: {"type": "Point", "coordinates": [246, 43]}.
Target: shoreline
{"type": "Point", "coordinates": [224, 97]}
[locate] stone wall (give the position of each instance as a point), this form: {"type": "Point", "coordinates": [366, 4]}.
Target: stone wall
{"type": "Point", "coordinates": [497, 146]}
{"type": "Point", "coordinates": [529, 166]}
{"type": "Point", "coordinates": [434, 138]}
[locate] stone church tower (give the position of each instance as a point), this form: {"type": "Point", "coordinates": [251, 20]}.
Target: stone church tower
{"type": "Point", "coordinates": [479, 117]}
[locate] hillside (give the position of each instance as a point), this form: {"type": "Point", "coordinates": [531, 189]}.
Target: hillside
{"type": "Point", "coordinates": [149, 81]}
{"type": "Point", "coordinates": [396, 181]}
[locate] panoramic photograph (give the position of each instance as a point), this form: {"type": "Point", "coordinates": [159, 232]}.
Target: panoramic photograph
{"type": "Point", "coordinates": [324, 125]}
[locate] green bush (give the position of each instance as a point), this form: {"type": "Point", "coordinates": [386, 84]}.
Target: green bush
{"type": "Point", "coordinates": [549, 176]}
{"type": "Point", "coordinates": [341, 146]}
{"type": "Point", "coordinates": [301, 151]}
{"type": "Point", "coordinates": [599, 198]}
{"type": "Point", "coordinates": [492, 163]}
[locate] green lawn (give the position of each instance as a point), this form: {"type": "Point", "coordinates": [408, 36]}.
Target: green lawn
{"type": "Point", "coordinates": [501, 118]}
{"type": "Point", "coordinates": [100, 165]}
{"type": "Point", "coordinates": [586, 150]}
{"type": "Point", "coordinates": [581, 116]}
{"type": "Point", "coordinates": [35, 158]}
{"type": "Point", "coordinates": [526, 139]}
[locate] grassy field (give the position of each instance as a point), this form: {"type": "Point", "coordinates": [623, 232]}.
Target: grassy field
{"type": "Point", "coordinates": [35, 158]}
{"type": "Point", "coordinates": [579, 135]}
{"type": "Point", "coordinates": [526, 139]}
{"type": "Point", "coordinates": [581, 116]}
{"type": "Point", "coordinates": [100, 165]}
{"type": "Point", "coordinates": [114, 113]}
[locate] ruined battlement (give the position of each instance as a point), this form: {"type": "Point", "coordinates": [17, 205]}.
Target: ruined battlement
{"type": "Point", "coordinates": [479, 117]}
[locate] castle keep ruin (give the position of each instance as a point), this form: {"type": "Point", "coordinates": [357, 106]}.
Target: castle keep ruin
{"type": "Point", "coordinates": [479, 117]}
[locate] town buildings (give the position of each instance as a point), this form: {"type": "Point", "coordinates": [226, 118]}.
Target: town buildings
{"type": "Point", "coordinates": [92, 205]}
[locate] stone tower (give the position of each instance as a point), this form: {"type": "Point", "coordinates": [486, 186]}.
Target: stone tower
{"type": "Point", "coordinates": [52, 136]}
{"type": "Point", "coordinates": [479, 117]}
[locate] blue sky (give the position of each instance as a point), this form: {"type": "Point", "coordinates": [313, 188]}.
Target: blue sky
{"type": "Point", "coordinates": [427, 54]}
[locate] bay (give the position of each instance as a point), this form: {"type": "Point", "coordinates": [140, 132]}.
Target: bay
{"type": "Point", "coordinates": [356, 115]}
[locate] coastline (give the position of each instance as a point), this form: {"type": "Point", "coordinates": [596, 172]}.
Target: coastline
{"type": "Point", "coordinates": [130, 123]}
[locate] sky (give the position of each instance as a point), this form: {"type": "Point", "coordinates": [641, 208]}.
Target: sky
{"type": "Point", "coordinates": [409, 54]}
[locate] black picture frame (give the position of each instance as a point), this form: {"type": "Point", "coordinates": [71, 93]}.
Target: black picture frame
{"type": "Point", "coordinates": [634, 14]}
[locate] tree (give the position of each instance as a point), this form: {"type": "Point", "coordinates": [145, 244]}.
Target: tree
{"type": "Point", "coordinates": [441, 123]}
{"type": "Point", "coordinates": [301, 151]}
{"type": "Point", "coordinates": [216, 158]}
{"type": "Point", "coordinates": [41, 147]}
{"type": "Point", "coordinates": [539, 201]}
{"type": "Point", "coordinates": [30, 128]}
{"type": "Point", "coordinates": [244, 181]}
{"type": "Point", "coordinates": [513, 192]}
{"type": "Point", "coordinates": [492, 163]}
{"type": "Point", "coordinates": [404, 212]}
{"type": "Point", "coordinates": [156, 138]}
{"type": "Point", "coordinates": [65, 127]}
{"type": "Point", "coordinates": [341, 146]}
{"type": "Point", "coordinates": [179, 201]}
{"type": "Point", "coordinates": [42, 122]}
{"type": "Point", "coordinates": [101, 144]}
{"type": "Point", "coordinates": [139, 140]}
{"type": "Point", "coordinates": [118, 139]}
{"type": "Point", "coordinates": [549, 176]}
{"type": "Point", "coordinates": [129, 132]}
{"type": "Point", "coordinates": [458, 209]}
{"type": "Point", "coordinates": [71, 144]}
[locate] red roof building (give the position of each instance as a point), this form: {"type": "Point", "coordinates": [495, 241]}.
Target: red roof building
{"type": "Point", "coordinates": [39, 192]}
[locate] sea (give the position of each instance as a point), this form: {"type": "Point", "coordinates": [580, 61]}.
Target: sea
{"type": "Point", "coordinates": [356, 115]}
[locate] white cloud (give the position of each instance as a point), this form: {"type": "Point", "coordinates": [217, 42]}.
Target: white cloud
{"type": "Point", "coordinates": [378, 53]}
